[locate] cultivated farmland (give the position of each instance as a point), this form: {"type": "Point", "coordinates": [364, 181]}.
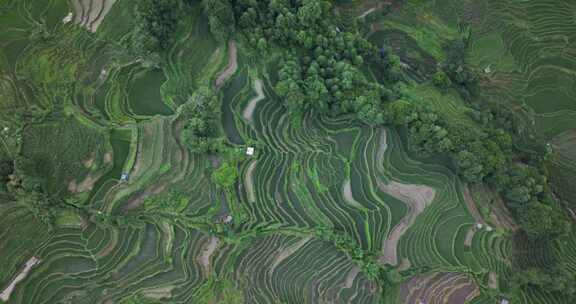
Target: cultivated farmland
{"type": "Point", "coordinates": [174, 171]}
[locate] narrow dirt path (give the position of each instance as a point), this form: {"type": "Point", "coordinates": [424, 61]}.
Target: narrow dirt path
{"type": "Point", "coordinates": [5, 295]}
{"type": "Point", "coordinates": [287, 252]}
{"type": "Point", "coordinates": [417, 197]}
{"type": "Point", "coordinates": [471, 205]}
{"type": "Point", "coordinates": [367, 12]}
{"type": "Point", "coordinates": [232, 65]}
{"type": "Point", "coordinates": [501, 216]}
{"type": "Point", "coordinates": [382, 150]}
{"type": "Point", "coordinates": [249, 110]}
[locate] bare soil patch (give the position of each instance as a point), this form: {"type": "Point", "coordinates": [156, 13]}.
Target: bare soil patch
{"type": "Point", "coordinates": [470, 236]}
{"type": "Point", "coordinates": [207, 251]}
{"type": "Point", "coordinates": [105, 7]}
{"type": "Point", "coordinates": [78, 11]}
{"type": "Point", "coordinates": [5, 295]}
{"type": "Point", "coordinates": [416, 197]}
{"type": "Point", "coordinates": [232, 65]}
{"type": "Point", "coordinates": [501, 216]}
{"type": "Point", "coordinates": [249, 110]}
{"type": "Point", "coordinates": [492, 280]}
{"type": "Point", "coordinates": [404, 264]}
{"type": "Point", "coordinates": [382, 149]}
{"type": "Point", "coordinates": [86, 185]}
{"type": "Point", "coordinates": [449, 288]}
{"type": "Point", "coordinates": [90, 13]}
{"type": "Point", "coordinates": [352, 274]}
{"type": "Point", "coordinates": [158, 293]}
{"type": "Point", "coordinates": [348, 197]}
{"type": "Point", "coordinates": [249, 182]}
{"type": "Point", "coordinates": [108, 157]}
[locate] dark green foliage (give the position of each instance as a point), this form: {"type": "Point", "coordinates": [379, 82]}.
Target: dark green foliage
{"type": "Point", "coordinates": [201, 130]}
{"type": "Point", "coordinates": [483, 155]}
{"type": "Point", "coordinates": [562, 182]}
{"type": "Point", "coordinates": [552, 279]}
{"type": "Point", "coordinates": [155, 25]}
{"type": "Point", "coordinates": [464, 77]}
{"type": "Point", "coordinates": [173, 201]}
{"type": "Point", "coordinates": [319, 71]}
{"type": "Point", "coordinates": [27, 189]}
{"type": "Point", "coordinates": [6, 169]}
{"type": "Point", "coordinates": [319, 65]}
{"type": "Point", "coordinates": [542, 220]}
{"type": "Point", "coordinates": [441, 80]}
{"type": "Point", "coordinates": [226, 175]}
{"type": "Point", "coordinates": [53, 154]}
{"type": "Point", "coordinates": [220, 18]}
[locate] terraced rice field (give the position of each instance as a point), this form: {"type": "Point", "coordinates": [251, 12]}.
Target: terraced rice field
{"type": "Point", "coordinates": [524, 48]}
{"type": "Point", "coordinates": [524, 53]}
{"type": "Point", "coordinates": [532, 49]}
{"type": "Point", "coordinates": [150, 228]}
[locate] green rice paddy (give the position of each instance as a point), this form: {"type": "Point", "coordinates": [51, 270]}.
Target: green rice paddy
{"type": "Point", "coordinates": [144, 222]}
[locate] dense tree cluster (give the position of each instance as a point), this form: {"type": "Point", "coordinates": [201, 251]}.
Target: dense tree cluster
{"type": "Point", "coordinates": [25, 186]}
{"type": "Point", "coordinates": [6, 169]}
{"type": "Point", "coordinates": [319, 69]}
{"type": "Point", "coordinates": [484, 155]}
{"type": "Point", "coordinates": [201, 131]}
{"type": "Point", "coordinates": [220, 17]}
{"type": "Point", "coordinates": [226, 175]}
{"type": "Point", "coordinates": [557, 278]}
{"type": "Point", "coordinates": [319, 64]}
{"type": "Point", "coordinates": [455, 70]}
{"type": "Point", "coordinates": [173, 201]}
{"type": "Point", "coordinates": [156, 22]}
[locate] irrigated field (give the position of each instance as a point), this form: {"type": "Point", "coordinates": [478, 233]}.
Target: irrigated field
{"type": "Point", "coordinates": [317, 208]}
{"type": "Point", "coordinates": [525, 55]}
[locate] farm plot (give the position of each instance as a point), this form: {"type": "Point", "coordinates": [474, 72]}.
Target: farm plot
{"type": "Point", "coordinates": [89, 13]}
{"type": "Point", "coordinates": [327, 174]}
{"type": "Point", "coordinates": [153, 261]}
{"type": "Point", "coordinates": [151, 225]}
{"type": "Point", "coordinates": [21, 235]}
{"type": "Point", "coordinates": [532, 58]}
{"type": "Point", "coordinates": [290, 269]}
{"type": "Point", "coordinates": [439, 288]}
{"type": "Point", "coordinates": [67, 151]}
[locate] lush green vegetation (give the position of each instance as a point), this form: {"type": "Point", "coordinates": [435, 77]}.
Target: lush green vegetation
{"type": "Point", "coordinates": [403, 151]}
